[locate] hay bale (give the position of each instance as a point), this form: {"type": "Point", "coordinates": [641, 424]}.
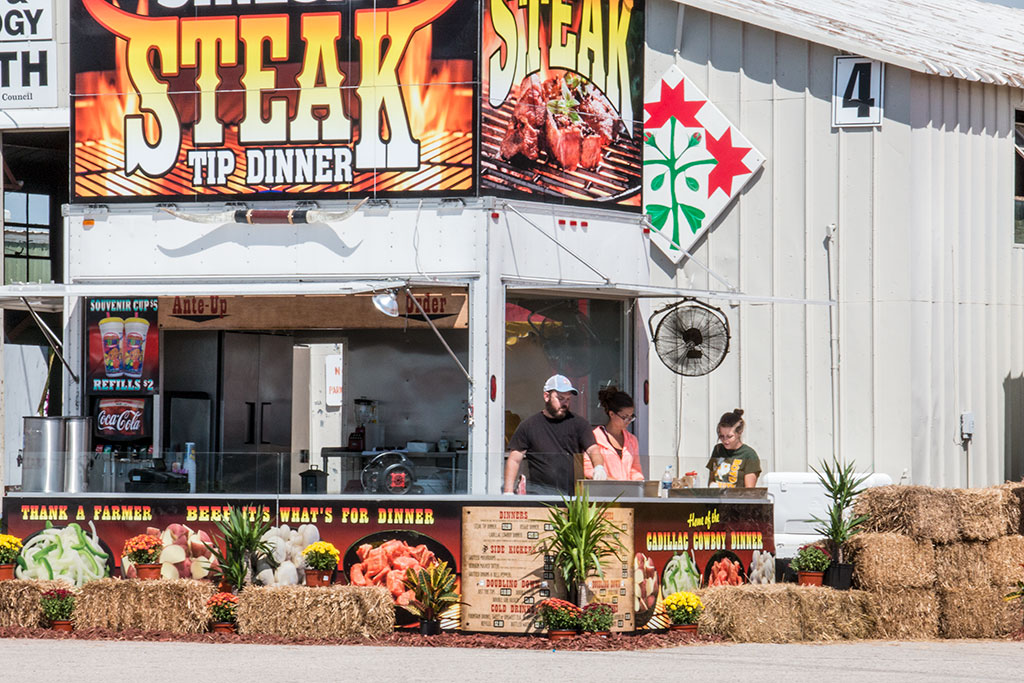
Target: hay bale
{"type": "Point", "coordinates": [785, 613]}
{"type": "Point", "coordinates": [921, 512]}
{"type": "Point", "coordinates": [178, 606]}
{"type": "Point", "coordinates": [330, 612]}
{"type": "Point", "coordinates": [970, 612]}
{"type": "Point", "coordinates": [883, 562]}
{"type": "Point", "coordinates": [906, 615]}
{"type": "Point", "coordinates": [752, 614]}
{"type": "Point", "coordinates": [1010, 618]}
{"type": "Point", "coordinates": [19, 601]}
{"type": "Point", "coordinates": [962, 565]}
{"type": "Point", "coordinates": [828, 615]}
{"type": "Point", "coordinates": [1013, 503]}
{"type": "Point", "coordinates": [1004, 557]}
{"type": "Point", "coordinates": [981, 513]}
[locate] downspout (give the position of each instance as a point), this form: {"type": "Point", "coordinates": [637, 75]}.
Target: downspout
{"type": "Point", "coordinates": [833, 347]}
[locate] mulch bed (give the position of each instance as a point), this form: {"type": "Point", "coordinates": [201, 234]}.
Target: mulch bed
{"type": "Point", "coordinates": [647, 641]}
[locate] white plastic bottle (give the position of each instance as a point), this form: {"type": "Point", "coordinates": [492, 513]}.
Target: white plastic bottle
{"type": "Point", "coordinates": [666, 482]}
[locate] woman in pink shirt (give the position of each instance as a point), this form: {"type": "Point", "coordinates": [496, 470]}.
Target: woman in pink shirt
{"type": "Point", "coordinates": [618, 446]}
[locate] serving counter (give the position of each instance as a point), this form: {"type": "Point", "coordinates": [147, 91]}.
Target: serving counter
{"type": "Point", "coordinates": [702, 537]}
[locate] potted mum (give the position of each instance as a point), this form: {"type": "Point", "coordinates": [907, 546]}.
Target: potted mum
{"type": "Point", "coordinates": [810, 564]}
{"type": "Point", "coordinates": [683, 608]}
{"type": "Point", "coordinates": [597, 618]}
{"type": "Point", "coordinates": [321, 561]}
{"type": "Point", "coordinates": [560, 618]}
{"type": "Point", "coordinates": [223, 610]}
{"type": "Point", "coordinates": [58, 605]}
{"type": "Point", "coordinates": [143, 551]}
{"type": "Point", "coordinates": [10, 547]}
{"type": "Point", "coordinates": [433, 592]}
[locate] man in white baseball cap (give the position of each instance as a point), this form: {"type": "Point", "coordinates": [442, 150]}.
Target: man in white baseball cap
{"type": "Point", "coordinates": [550, 442]}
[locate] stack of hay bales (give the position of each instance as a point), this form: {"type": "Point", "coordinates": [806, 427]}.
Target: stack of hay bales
{"type": "Point", "coordinates": [937, 562]}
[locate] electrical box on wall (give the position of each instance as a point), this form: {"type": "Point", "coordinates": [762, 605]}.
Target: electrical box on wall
{"type": "Point", "coordinates": [966, 426]}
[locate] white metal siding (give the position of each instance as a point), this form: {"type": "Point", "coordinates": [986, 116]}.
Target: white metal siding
{"type": "Point", "coordinates": [927, 275]}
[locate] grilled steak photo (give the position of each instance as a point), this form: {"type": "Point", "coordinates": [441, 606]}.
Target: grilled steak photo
{"type": "Point", "coordinates": [566, 117]}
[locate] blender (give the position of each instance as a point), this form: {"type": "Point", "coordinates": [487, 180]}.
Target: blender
{"type": "Point", "coordinates": [369, 429]}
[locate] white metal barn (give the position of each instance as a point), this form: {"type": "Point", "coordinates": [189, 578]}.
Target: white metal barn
{"type": "Point", "coordinates": [926, 270]}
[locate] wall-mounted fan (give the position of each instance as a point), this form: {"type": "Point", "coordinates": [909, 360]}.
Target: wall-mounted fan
{"type": "Point", "coordinates": [693, 337]}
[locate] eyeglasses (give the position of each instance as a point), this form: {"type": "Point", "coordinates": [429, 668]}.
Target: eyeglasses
{"type": "Point", "coordinates": [626, 418]}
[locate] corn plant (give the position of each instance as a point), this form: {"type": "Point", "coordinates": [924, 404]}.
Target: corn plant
{"type": "Point", "coordinates": [842, 485]}
{"type": "Point", "coordinates": [582, 538]}
{"type": "Point", "coordinates": [242, 533]}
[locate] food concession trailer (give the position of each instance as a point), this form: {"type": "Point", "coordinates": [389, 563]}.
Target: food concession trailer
{"type": "Point", "coordinates": [317, 266]}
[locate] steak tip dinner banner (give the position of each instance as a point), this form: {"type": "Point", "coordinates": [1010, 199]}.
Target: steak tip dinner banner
{"type": "Point", "coordinates": [281, 99]}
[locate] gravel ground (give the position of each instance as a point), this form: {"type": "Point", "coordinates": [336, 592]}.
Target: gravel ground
{"type": "Point", "coordinates": [28, 660]}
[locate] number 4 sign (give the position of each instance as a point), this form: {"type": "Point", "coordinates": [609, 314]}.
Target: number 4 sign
{"type": "Point", "coordinates": [857, 91]}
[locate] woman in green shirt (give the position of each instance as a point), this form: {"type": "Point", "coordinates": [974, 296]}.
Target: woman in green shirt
{"type": "Point", "coordinates": [733, 464]}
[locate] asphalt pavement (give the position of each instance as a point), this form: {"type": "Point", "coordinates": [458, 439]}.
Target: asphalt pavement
{"type": "Point", "coordinates": [97, 661]}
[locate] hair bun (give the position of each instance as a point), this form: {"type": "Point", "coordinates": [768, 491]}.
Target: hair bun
{"type": "Point", "coordinates": [738, 412]}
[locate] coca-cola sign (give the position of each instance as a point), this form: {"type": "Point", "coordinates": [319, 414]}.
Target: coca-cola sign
{"type": "Point", "coordinates": [121, 418]}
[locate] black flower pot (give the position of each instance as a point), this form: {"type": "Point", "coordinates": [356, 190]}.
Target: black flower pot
{"type": "Point", "coordinates": [839, 576]}
{"type": "Point", "coordinates": [430, 628]}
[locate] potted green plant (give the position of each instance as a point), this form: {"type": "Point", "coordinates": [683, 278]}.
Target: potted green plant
{"type": "Point", "coordinates": [10, 547]}
{"type": "Point", "coordinates": [582, 538]}
{"type": "Point", "coordinates": [242, 535]}
{"type": "Point", "coordinates": [433, 594]}
{"type": "Point", "coordinates": [597, 617]}
{"type": "Point", "coordinates": [560, 618]}
{"type": "Point", "coordinates": [142, 557]}
{"type": "Point", "coordinates": [223, 611]}
{"type": "Point", "coordinates": [810, 564]}
{"type": "Point", "coordinates": [321, 561]}
{"type": "Point", "coordinates": [58, 605]}
{"type": "Point", "coordinates": [683, 608]}
{"type": "Point", "coordinates": [842, 485]}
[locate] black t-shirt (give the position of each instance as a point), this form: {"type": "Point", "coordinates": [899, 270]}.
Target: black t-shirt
{"type": "Point", "coordinates": [551, 445]}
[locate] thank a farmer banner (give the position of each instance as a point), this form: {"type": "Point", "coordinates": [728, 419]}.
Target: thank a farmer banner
{"type": "Point", "coordinates": [695, 162]}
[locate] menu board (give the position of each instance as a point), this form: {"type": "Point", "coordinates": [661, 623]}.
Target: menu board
{"type": "Point", "coordinates": [503, 578]}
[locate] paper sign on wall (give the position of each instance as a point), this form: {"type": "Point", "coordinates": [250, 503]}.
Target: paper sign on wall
{"type": "Point", "coordinates": [333, 386]}
{"type": "Point", "coordinates": [695, 162]}
{"type": "Point", "coordinates": [28, 54]}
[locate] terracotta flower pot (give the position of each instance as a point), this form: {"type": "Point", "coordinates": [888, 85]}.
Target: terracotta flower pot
{"type": "Point", "coordinates": [147, 572]}
{"type": "Point", "coordinates": [6, 572]}
{"type": "Point", "coordinates": [60, 625]}
{"type": "Point", "coordinates": [685, 628]}
{"type": "Point", "coordinates": [319, 577]}
{"type": "Point", "coordinates": [809, 578]}
{"type": "Point", "coordinates": [224, 627]}
{"type": "Point", "coordinates": [561, 635]}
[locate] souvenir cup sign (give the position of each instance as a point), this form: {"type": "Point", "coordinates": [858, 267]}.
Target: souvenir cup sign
{"type": "Point", "coordinates": [122, 346]}
{"type": "Point", "coordinates": [695, 162]}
